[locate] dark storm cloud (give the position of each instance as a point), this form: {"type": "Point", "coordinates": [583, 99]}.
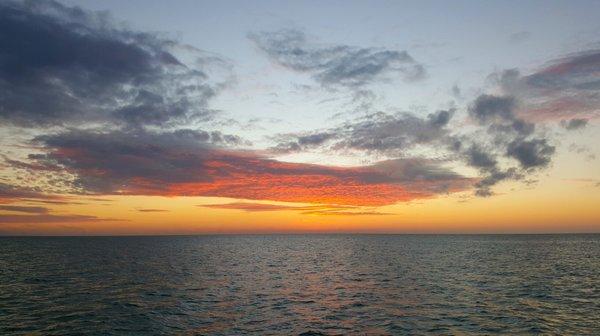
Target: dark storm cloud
{"type": "Point", "coordinates": [62, 65]}
{"type": "Point", "coordinates": [574, 124]}
{"type": "Point", "coordinates": [378, 132]}
{"type": "Point", "coordinates": [336, 65]}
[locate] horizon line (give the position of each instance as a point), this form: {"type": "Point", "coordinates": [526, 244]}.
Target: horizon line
{"type": "Point", "coordinates": [301, 234]}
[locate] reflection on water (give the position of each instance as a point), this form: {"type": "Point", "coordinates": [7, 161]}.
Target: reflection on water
{"type": "Point", "coordinates": [301, 284]}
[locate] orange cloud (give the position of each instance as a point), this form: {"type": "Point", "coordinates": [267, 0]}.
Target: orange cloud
{"type": "Point", "coordinates": [165, 165]}
{"type": "Point", "coordinates": [303, 183]}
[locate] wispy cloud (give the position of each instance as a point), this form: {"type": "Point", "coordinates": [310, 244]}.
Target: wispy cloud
{"type": "Point", "coordinates": [325, 209]}
{"type": "Point", "coordinates": [26, 209]}
{"type": "Point", "coordinates": [565, 89]}
{"type": "Point", "coordinates": [336, 65]}
{"type": "Point", "coordinates": [152, 210]}
{"type": "Point", "coordinates": [48, 218]}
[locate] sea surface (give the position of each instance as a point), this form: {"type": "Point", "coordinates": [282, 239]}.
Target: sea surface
{"type": "Point", "coordinates": [301, 285]}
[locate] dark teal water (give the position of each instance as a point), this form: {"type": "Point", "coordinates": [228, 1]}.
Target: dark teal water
{"type": "Point", "coordinates": [311, 284]}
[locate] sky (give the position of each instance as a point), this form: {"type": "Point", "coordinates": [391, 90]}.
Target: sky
{"type": "Point", "coordinates": [204, 117]}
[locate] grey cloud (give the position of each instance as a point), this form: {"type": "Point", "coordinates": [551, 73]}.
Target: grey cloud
{"type": "Point", "coordinates": [479, 158]}
{"type": "Point", "coordinates": [10, 193]}
{"type": "Point", "coordinates": [337, 65]}
{"type": "Point", "coordinates": [62, 65]}
{"type": "Point", "coordinates": [175, 156]}
{"type": "Point", "coordinates": [577, 71]}
{"type": "Point", "coordinates": [493, 177]}
{"type": "Point", "coordinates": [488, 108]}
{"type": "Point", "coordinates": [378, 132]}
{"type": "Point", "coordinates": [574, 124]}
{"type": "Point", "coordinates": [564, 89]}
{"type": "Point", "coordinates": [531, 153]}
{"type": "Point", "coordinates": [504, 146]}
{"type": "Point", "coordinates": [48, 218]}
{"type": "Point", "coordinates": [508, 137]}
{"type": "Point", "coordinates": [25, 209]}
{"type": "Point", "coordinates": [301, 142]}
{"type": "Point", "coordinates": [519, 37]}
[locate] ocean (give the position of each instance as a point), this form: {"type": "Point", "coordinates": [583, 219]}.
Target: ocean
{"type": "Point", "coordinates": [301, 285]}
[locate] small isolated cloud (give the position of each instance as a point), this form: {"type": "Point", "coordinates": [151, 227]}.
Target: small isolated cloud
{"type": "Point", "coordinates": [574, 124]}
{"type": "Point", "coordinates": [519, 37]}
{"type": "Point", "coordinates": [152, 210]}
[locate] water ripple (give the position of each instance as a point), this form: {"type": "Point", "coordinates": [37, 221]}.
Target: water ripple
{"type": "Point", "coordinates": [301, 285]}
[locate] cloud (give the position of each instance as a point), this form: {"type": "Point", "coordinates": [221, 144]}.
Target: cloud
{"type": "Point", "coordinates": [377, 132]}
{"type": "Point", "coordinates": [574, 124]}
{"type": "Point", "coordinates": [122, 97]}
{"type": "Point", "coordinates": [507, 136]}
{"type": "Point", "coordinates": [348, 213]}
{"type": "Point", "coordinates": [336, 65]}
{"type": "Point", "coordinates": [63, 65]}
{"type": "Point", "coordinates": [488, 108]}
{"type": "Point", "coordinates": [152, 210]}
{"type": "Point", "coordinates": [327, 209]}
{"type": "Point", "coordinates": [519, 37]}
{"type": "Point", "coordinates": [577, 71]}
{"type": "Point", "coordinates": [502, 145]}
{"type": "Point", "coordinates": [566, 88]}
{"type": "Point", "coordinates": [531, 153]}
{"type": "Point", "coordinates": [47, 218]}
{"type": "Point", "coordinates": [146, 163]}
{"type": "Point", "coordinates": [260, 207]}
{"type": "Point", "coordinates": [10, 193]}
{"type": "Point", "coordinates": [26, 209]}
{"type": "Point", "coordinates": [250, 207]}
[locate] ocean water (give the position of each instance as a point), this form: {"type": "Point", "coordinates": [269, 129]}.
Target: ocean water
{"type": "Point", "coordinates": [301, 285]}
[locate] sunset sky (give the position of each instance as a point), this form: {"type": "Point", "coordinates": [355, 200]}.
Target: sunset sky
{"type": "Point", "coordinates": [189, 117]}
